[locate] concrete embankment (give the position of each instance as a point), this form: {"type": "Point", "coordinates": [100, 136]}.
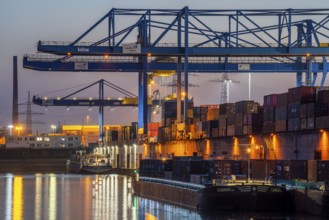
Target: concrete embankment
{"type": "Point", "coordinates": [176, 196]}
{"type": "Point", "coordinates": [33, 166]}
{"type": "Point", "coordinates": [312, 202]}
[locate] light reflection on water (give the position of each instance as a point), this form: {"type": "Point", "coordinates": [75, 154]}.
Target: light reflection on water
{"type": "Point", "coordinates": [64, 196]}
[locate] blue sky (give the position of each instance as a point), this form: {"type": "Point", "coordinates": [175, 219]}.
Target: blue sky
{"type": "Point", "coordinates": [23, 23]}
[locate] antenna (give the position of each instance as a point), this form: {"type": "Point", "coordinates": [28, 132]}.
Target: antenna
{"type": "Point", "coordinates": [29, 113]}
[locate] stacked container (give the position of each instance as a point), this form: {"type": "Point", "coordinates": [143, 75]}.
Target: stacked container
{"type": "Point", "coordinates": [212, 112]}
{"type": "Point", "coordinates": [298, 97]}
{"type": "Point", "coordinates": [281, 112]}
{"type": "Point", "coordinates": [199, 114]}
{"type": "Point", "coordinates": [321, 110]}
{"type": "Point", "coordinates": [248, 118]}
{"type": "Point", "coordinates": [155, 168]}
{"type": "Point", "coordinates": [169, 112]}
{"type": "Point", "coordinates": [211, 128]}
{"type": "Point", "coordinates": [152, 129]}
{"type": "Point", "coordinates": [318, 170]}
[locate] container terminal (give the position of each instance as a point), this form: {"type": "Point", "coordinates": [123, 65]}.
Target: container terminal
{"type": "Point", "coordinates": [284, 138]}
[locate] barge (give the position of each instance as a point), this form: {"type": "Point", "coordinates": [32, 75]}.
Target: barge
{"type": "Point", "coordinates": [231, 197]}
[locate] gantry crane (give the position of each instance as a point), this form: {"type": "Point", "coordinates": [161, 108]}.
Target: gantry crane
{"type": "Point", "coordinates": [262, 41]}
{"type": "Point", "coordinates": [129, 100]}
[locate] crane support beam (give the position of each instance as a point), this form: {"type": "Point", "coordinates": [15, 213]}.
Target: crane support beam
{"type": "Point", "coordinates": [78, 102]}
{"type": "Point", "coordinates": [125, 102]}
{"type": "Point", "coordinates": [202, 67]}
{"type": "Point", "coordinates": [176, 51]}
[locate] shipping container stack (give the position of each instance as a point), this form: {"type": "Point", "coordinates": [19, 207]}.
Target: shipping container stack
{"type": "Point", "coordinates": [210, 126]}
{"type": "Point", "coordinates": [152, 131]}
{"type": "Point", "coordinates": [199, 115]}
{"type": "Point", "coordinates": [281, 112]}
{"type": "Point", "coordinates": [212, 111]}
{"type": "Point", "coordinates": [169, 119]}
{"type": "Point", "coordinates": [321, 110]}
{"type": "Point", "coordinates": [269, 106]}
{"type": "Point", "coordinates": [248, 118]}
{"type": "Point", "coordinates": [169, 112]}
{"type": "Point", "coordinates": [226, 119]}
{"type": "Point", "coordinates": [128, 132]}
{"type": "Point", "coordinates": [298, 97]}
{"type": "Point", "coordinates": [155, 168]}
{"type": "Point", "coordinates": [220, 169]}
{"type": "Point", "coordinates": [318, 170]}
{"type": "Point", "coordinates": [184, 167]}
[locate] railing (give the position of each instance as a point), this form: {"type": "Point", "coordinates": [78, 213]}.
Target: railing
{"type": "Point", "coordinates": [178, 184]}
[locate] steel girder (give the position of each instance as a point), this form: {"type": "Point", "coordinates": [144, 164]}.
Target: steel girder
{"type": "Point", "coordinates": [300, 35]}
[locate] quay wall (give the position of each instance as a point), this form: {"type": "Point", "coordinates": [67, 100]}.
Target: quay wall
{"type": "Point", "coordinates": [301, 145]}
{"type": "Point", "coordinates": [33, 153]}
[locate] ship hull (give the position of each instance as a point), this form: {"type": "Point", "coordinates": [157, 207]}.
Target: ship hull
{"type": "Point", "coordinates": [248, 198]}
{"type": "Point", "coordinates": [253, 198]}
{"type": "Point", "coordinates": [78, 168]}
{"type": "Point", "coordinates": [96, 169]}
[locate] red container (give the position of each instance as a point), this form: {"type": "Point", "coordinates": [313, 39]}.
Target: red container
{"type": "Point", "coordinates": [323, 97]}
{"type": "Point", "coordinates": [303, 94]}
{"type": "Point", "coordinates": [262, 168]}
{"type": "Point", "coordinates": [282, 100]}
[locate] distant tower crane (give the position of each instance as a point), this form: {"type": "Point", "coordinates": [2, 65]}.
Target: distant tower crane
{"type": "Point", "coordinates": [225, 94]}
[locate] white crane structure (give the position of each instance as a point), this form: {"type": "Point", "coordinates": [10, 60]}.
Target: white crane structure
{"type": "Point", "coordinates": [225, 94]}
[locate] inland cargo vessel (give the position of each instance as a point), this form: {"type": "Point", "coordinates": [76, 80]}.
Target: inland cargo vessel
{"type": "Point", "coordinates": [89, 163]}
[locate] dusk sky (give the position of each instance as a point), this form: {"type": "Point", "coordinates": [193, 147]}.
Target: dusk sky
{"type": "Point", "coordinates": [24, 23]}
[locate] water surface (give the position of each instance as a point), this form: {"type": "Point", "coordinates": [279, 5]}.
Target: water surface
{"type": "Point", "coordinates": [68, 196]}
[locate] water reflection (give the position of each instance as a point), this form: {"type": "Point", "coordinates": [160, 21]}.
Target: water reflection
{"type": "Point", "coordinates": [9, 190]}
{"type": "Point", "coordinates": [17, 207]}
{"type": "Point", "coordinates": [64, 196]}
{"type": "Point", "coordinates": [38, 197]}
